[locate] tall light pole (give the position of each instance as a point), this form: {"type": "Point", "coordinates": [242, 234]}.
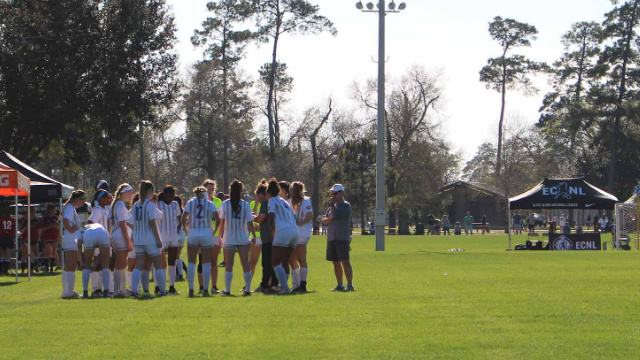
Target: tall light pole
{"type": "Point", "coordinates": [381, 213]}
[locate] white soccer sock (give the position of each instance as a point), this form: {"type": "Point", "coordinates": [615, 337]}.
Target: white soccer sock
{"type": "Point", "coordinates": [144, 279]}
{"type": "Point", "coordinates": [106, 274]}
{"type": "Point", "coordinates": [191, 274]}
{"type": "Point", "coordinates": [70, 282]}
{"type": "Point", "coordinates": [295, 277]}
{"type": "Point", "coordinates": [161, 280]}
{"type": "Point", "coordinates": [206, 275]}
{"type": "Point", "coordinates": [135, 280]}
{"type": "Point", "coordinates": [247, 281]}
{"type": "Point", "coordinates": [282, 277]}
{"type": "Point", "coordinates": [86, 274]}
{"type": "Point", "coordinates": [116, 280]}
{"type": "Point", "coordinates": [64, 283]}
{"type": "Point", "coordinates": [129, 275]}
{"type": "Point", "coordinates": [95, 279]}
{"type": "Point", "coordinates": [172, 275]}
{"type": "Point", "coordinates": [152, 271]}
{"type": "Point", "coordinates": [303, 274]}
{"type": "Point", "coordinates": [228, 278]}
{"type": "Point", "coordinates": [179, 267]}
{"type": "Point", "coordinates": [111, 282]}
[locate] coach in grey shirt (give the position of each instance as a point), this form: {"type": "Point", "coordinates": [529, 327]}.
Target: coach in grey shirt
{"type": "Point", "coordinates": [338, 220]}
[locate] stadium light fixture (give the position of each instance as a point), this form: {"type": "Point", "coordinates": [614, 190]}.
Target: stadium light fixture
{"type": "Point", "coordinates": [381, 213]}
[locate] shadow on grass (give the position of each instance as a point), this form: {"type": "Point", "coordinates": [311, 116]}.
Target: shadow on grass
{"type": "Point", "coordinates": [7, 283]}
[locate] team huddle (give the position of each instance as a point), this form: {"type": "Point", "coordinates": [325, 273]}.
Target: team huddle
{"type": "Point", "coordinates": [130, 237]}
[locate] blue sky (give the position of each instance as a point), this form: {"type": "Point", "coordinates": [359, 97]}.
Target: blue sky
{"type": "Point", "coordinates": [447, 36]}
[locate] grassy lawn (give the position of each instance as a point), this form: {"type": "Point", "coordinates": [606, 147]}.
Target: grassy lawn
{"type": "Point", "coordinates": [416, 300]}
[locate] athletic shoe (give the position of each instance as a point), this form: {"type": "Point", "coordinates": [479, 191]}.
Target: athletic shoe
{"type": "Point", "coordinates": [260, 290]}
{"type": "Point", "coordinates": [215, 290]}
{"type": "Point", "coordinates": [85, 294]}
{"type": "Point", "coordinates": [157, 290]}
{"type": "Point", "coordinates": [106, 294]}
{"type": "Point", "coordinates": [191, 294]}
{"type": "Point", "coordinates": [350, 288]}
{"type": "Point", "coordinates": [200, 290]}
{"type": "Point", "coordinates": [146, 294]}
{"type": "Point", "coordinates": [221, 264]}
{"type": "Point", "coordinates": [97, 293]}
{"type": "Point", "coordinates": [162, 294]}
{"type": "Point", "coordinates": [173, 291]}
{"type": "Point", "coordinates": [130, 293]}
{"type": "Point", "coordinates": [270, 291]}
{"type": "Point", "coordinates": [299, 290]}
{"type": "Point", "coordinates": [58, 268]}
{"type": "Point", "coordinates": [247, 293]}
{"type": "Point", "coordinates": [225, 293]}
{"type": "Point", "coordinates": [120, 295]}
{"type": "Point", "coordinates": [180, 278]}
{"type": "Point", "coordinates": [135, 295]}
{"type": "Point", "coordinates": [206, 294]}
{"type": "Point", "coordinates": [285, 292]}
{"type": "Point", "coordinates": [339, 288]}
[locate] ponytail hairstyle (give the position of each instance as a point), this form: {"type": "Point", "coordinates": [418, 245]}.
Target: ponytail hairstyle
{"type": "Point", "coordinates": [286, 186]}
{"type": "Point", "coordinates": [235, 191]}
{"type": "Point", "coordinates": [178, 199]}
{"type": "Point", "coordinates": [261, 188]}
{"type": "Point", "coordinates": [200, 192]}
{"type": "Point", "coordinates": [136, 198]}
{"type": "Point", "coordinates": [75, 195]}
{"type": "Point", "coordinates": [167, 195]}
{"type": "Point", "coordinates": [273, 188]}
{"type": "Point", "coordinates": [116, 197]}
{"type": "Point", "coordinates": [297, 194]}
{"type": "Point", "coordinates": [146, 187]}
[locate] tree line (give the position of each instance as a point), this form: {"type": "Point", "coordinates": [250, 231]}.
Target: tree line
{"type": "Point", "coordinates": [589, 122]}
{"type": "Point", "coordinates": [84, 83]}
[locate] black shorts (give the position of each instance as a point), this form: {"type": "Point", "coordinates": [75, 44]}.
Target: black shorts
{"type": "Point", "coordinates": [532, 227]}
{"type": "Point", "coordinates": [337, 250]}
{"type": "Point", "coordinates": [7, 242]}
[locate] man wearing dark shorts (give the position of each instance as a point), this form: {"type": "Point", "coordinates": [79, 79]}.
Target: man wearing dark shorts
{"type": "Point", "coordinates": [8, 226]}
{"type": "Point", "coordinates": [338, 218]}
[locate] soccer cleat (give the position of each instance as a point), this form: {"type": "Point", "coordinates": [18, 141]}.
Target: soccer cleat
{"type": "Point", "coordinates": [173, 291]}
{"type": "Point", "coordinates": [180, 278]}
{"type": "Point", "coordinates": [157, 290]}
{"type": "Point", "coordinates": [225, 293]}
{"type": "Point", "coordinates": [191, 294]}
{"type": "Point", "coordinates": [135, 295]}
{"type": "Point", "coordinates": [270, 291]}
{"type": "Point", "coordinates": [200, 290]}
{"type": "Point", "coordinates": [146, 294]}
{"type": "Point", "coordinates": [215, 290]}
{"type": "Point", "coordinates": [206, 294]}
{"type": "Point", "coordinates": [222, 264]}
{"type": "Point", "coordinates": [350, 288]}
{"type": "Point", "coordinates": [247, 293]}
{"type": "Point", "coordinates": [120, 295]}
{"type": "Point", "coordinates": [85, 294]}
{"type": "Point", "coordinates": [260, 289]}
{"type": "Point", "coordinates": [162, 294]}
{"type": "Point", "coordinates": [285, 292]}
{"type": "Point", "coordinates": [97, 293]}
{"type": "Point", "coordinates": [340, 287]}
{"type": "Point", "coordinates": [299, 290]}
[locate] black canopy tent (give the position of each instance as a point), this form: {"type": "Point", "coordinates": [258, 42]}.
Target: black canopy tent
{"type": "Point", "coordinates": [43, 188]}
{"type": "Point", "coordinates": [572, 194]}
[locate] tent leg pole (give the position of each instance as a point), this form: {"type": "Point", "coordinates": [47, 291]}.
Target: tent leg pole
{"type": "Point", "coordinates": [509, 222]}
{"type": "Point", "coordinates": [16, 235]}
{"type": "Point", "coordinates": [29, 236]}
{"type": "Point", "coordinates": [62, 257]}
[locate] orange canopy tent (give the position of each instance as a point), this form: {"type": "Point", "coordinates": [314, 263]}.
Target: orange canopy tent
{"type": "Point", "coordinates": [14, 184]}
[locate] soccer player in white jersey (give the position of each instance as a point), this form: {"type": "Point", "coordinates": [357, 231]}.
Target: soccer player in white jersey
{"type": "Point", "coordinates": [147, 241]}
{"type": "Point", "coordinates": [181, 240]}
{"type": "Point", "coordinates": [304, 218]}
{"type": "Point", "coordinates": [121, 236]}
{"type": "Point", "coordinates": [282, 222]}
{"type": "Point", "coordinates": [96, 237]}
{"type": "Point", "coordinates": [71, 226]}
{"type": "Point", "coordinates": [169, 231]}
{"type": "Point", "coordinates": [197, 214]}
{"type": "Point", "coordinates": [99, 215]}
{"type": "Point", "coordinates": [236, 223]}
{"type": "Point", "coordinates": [285, 190]}
{"type": "Point", "coordinates": [131, 257]}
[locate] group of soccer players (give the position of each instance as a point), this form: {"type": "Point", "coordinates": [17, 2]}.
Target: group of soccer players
{"type": "Point", "coordinates": [130, 236]}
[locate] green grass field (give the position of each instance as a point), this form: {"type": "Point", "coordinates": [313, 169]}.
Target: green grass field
{"type": "Point", "coordinates": [416, 301]}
